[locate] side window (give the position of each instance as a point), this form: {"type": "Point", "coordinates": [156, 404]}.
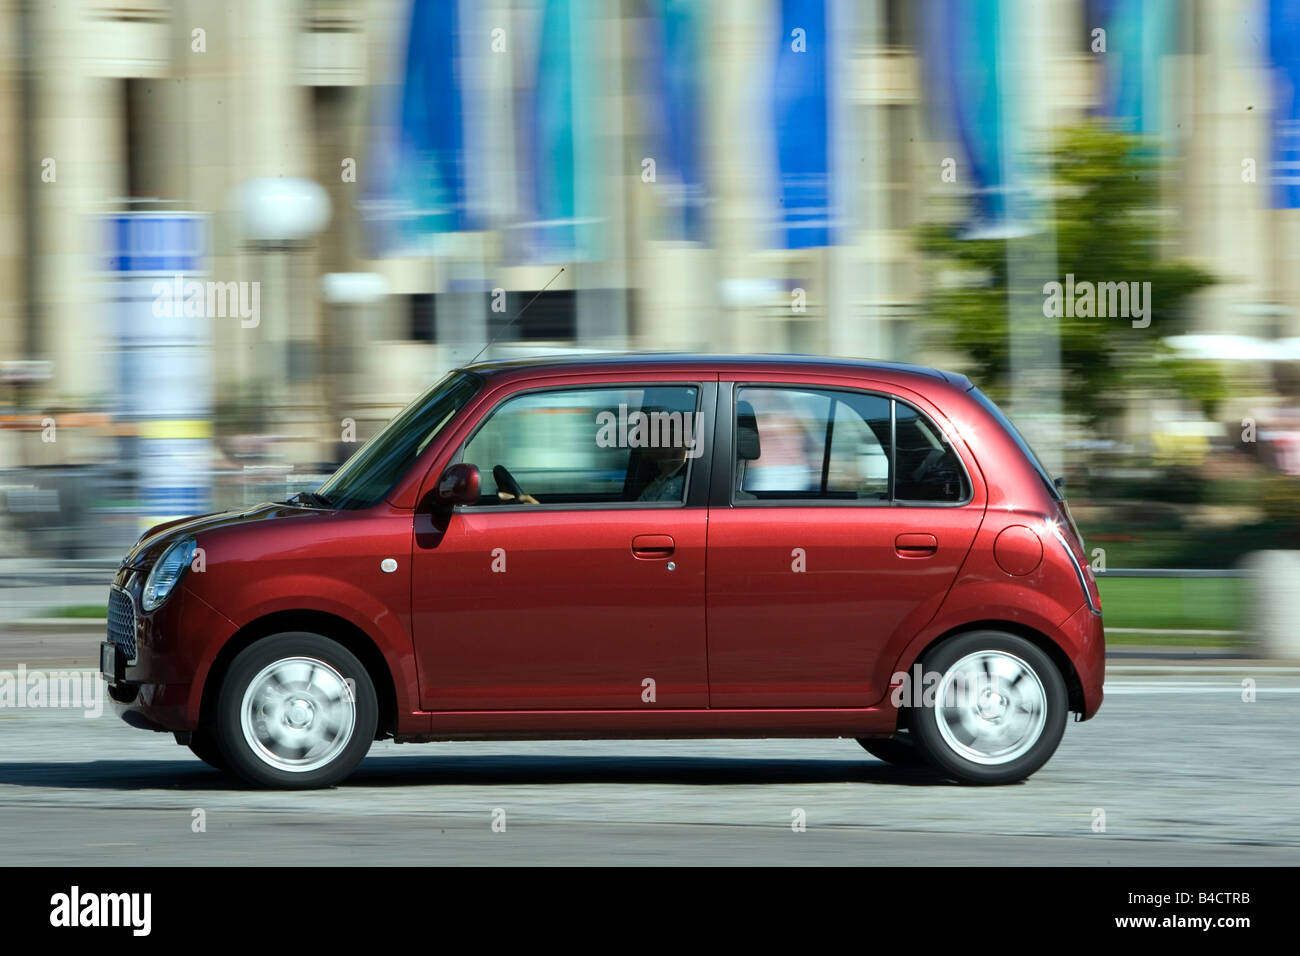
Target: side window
{"type": "Point", "coordinates": [795, 444]}
{"type": "Point", "coordinates": [859, 461]}
{"type": "Point", "coordinates": [927, 468]}
{"type": "Point", "coordinates": [811, 444]}
{"type": "Point", "coordinates": [588, 446]}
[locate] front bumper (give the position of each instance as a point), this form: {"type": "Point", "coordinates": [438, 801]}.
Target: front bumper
{"type": "Point", "coordinates": [162, 686]}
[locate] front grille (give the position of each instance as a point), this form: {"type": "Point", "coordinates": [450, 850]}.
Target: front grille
{"type": "Point", "coordinates": [121, 622]}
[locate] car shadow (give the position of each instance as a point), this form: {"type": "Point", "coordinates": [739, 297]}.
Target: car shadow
{"type": "Point", "coordinates": [480, 770]}
{"type": "Point", "coordinates": [515, 769]}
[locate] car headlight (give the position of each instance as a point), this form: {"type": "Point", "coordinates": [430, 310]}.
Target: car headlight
{"type": "Point", "coordinates": [165, 573]}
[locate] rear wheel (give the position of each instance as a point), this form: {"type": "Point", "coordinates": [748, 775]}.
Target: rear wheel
{"type": "Point", "coordinates": [998, 711]}
{"type": "Point", "coordinates": [296, 711]}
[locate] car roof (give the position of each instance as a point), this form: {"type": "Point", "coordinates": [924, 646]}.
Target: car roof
{"type": "Point", "coordinates": [673, 361]}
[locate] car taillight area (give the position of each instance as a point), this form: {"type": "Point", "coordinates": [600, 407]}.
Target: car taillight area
{"type": "Point", "coordinates": [1068, 534]}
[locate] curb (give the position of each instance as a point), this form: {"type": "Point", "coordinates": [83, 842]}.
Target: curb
{"type": "Point", "coordinates": [55, 625]}
{"type": "Point", "coordinates": [1179, 653]}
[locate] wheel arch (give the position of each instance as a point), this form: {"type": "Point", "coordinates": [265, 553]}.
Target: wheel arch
{"type": "Point", "coordinates": [316, 622]}
{"type": "Point", "coordinates": [1057, 654]}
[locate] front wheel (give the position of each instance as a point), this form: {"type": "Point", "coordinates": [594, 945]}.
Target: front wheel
{"type": "Point", "coordinates": [998, 710]}
{"type": "Point", "coordinates": [296, 711]}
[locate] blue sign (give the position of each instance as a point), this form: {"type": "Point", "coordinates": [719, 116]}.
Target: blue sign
{"type": "Point", "coordinates": [162, 243]}
{"type": "Point", "coordinates": [163, 355]}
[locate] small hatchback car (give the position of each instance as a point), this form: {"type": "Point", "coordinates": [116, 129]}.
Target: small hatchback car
{"type": "Point", "coordinates": [637, 546]}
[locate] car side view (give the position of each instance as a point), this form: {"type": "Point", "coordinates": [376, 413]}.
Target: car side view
{"type": "Point", "coordinates": [646, 546]}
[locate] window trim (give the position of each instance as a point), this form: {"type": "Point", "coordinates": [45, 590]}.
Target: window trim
{"type": "Point", "coordinates": [697, 477]}
{"type": "Point", "coordinates": [892, 502]}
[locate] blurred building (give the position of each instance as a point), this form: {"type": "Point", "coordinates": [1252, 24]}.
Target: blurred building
{"type": "Point", "coordinates": [738, 175]}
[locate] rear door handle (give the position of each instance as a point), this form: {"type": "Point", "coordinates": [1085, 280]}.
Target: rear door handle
{"type": "Point", "coordinates": [916, 545]}
{"type": "Point", "coordinates": [653, 545]}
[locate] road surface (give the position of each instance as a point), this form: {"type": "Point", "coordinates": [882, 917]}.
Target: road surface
{"type": "Point", "coordinates": [1184, 771]}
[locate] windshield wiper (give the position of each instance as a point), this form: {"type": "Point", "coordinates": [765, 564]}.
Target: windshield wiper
{"type": "Point", "coordinates": [310, 498]}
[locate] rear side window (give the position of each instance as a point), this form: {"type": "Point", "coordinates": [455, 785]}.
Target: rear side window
{"type": "Point", "coordinates": [926, 467]}
{"type": "Point", "coordinates": [806, 444]}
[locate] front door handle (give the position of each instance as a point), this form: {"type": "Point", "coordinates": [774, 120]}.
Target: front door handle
{"type": "Point", "coordinates": [916, 545]}
{"type": "Point", "coordinates": [653, 545]}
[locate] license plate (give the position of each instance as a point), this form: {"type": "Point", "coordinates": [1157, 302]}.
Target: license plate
{"type": "Point", "coordinates": [108, 661]}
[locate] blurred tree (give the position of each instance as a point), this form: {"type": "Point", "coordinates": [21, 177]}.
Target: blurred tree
{"type": "Point", "coordinates": [1286, 379]}
{"type": "Point", "coordinates": [1197, 380]}
{"type": "Point", "coordinates": [1108, 225]}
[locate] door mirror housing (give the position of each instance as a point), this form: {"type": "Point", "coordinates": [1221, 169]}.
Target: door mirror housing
{"type": "Point", "coordinates": [459, 485]}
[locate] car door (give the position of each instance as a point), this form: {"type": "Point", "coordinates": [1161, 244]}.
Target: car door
{"type": "Point", "coordinates": [588, 591]}
{"type": "Point", "coordinates": [843, 521]}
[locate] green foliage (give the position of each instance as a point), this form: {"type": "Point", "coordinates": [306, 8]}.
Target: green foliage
{"type": "Point", "coordinates": [1108, 228]}
{"type": "Point", "coordinates": [81, 611]}
{"type": "Point", "coordinates": [1279, 498]}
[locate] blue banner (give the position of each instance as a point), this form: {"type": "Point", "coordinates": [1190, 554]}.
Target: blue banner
{"type": "Point", "coordinates": [800, 114]}
{"type": "Point", "coordinates": [562, 195]}
{"type": "Point", "coordinates": [553, 164]}
{"type": "Point", "coordinates": [1284, 78]}
{"type": "Point", "coordinates": [418, 166]}
{"type": "Point", "coordinates": [431, 147]}
{"type": "Point", "coordinates": [676, 87]}
{"type": "Point", "coordinates": [1140, 34]}
{"type": "Point", "coordinates": [965, 88]}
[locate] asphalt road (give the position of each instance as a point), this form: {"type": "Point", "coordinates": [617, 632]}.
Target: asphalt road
{"type": "Point", "coordinates": [1185, 771]}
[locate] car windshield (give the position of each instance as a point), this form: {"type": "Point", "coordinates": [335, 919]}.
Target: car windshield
{"type": "Point", "coordinates": [365, 478]}
{"type": "Point", "coordinates": [1019, 439]}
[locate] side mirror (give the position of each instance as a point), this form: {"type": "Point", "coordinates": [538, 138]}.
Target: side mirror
{"type": "Point", "coordinates": [459, 485]}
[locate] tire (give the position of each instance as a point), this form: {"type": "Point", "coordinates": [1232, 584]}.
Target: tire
{"type": "Point", "coordinates": [296, 711]}
{"type": "Point", "coordinates": [899, 750]}
{"type": "Point", "coordinates": [1006, 708]}
{"type": "Point", "coordinates": [204, 746]}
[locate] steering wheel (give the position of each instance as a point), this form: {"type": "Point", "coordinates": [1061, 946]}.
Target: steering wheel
{"type": "Point", "coordinates": [506, 482]}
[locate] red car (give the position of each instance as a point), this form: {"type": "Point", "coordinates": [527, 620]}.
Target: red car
{"type": "Point", "coordinates": [638, 546]}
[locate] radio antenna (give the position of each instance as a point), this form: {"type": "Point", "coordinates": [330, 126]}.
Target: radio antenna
{"type": "Point", "coordinates": [491, 341]}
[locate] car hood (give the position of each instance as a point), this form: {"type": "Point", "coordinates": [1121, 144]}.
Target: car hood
{"type": "Point", "coordinates": [161, 536]}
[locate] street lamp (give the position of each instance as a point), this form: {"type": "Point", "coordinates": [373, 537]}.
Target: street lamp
{"type": "Point", "coordinates": [280, 211]}
{"type": "Point", "coordinates": [276, 216]}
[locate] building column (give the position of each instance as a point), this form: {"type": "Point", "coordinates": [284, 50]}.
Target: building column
{"type": "Point", "coordinates": [76, 124]}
